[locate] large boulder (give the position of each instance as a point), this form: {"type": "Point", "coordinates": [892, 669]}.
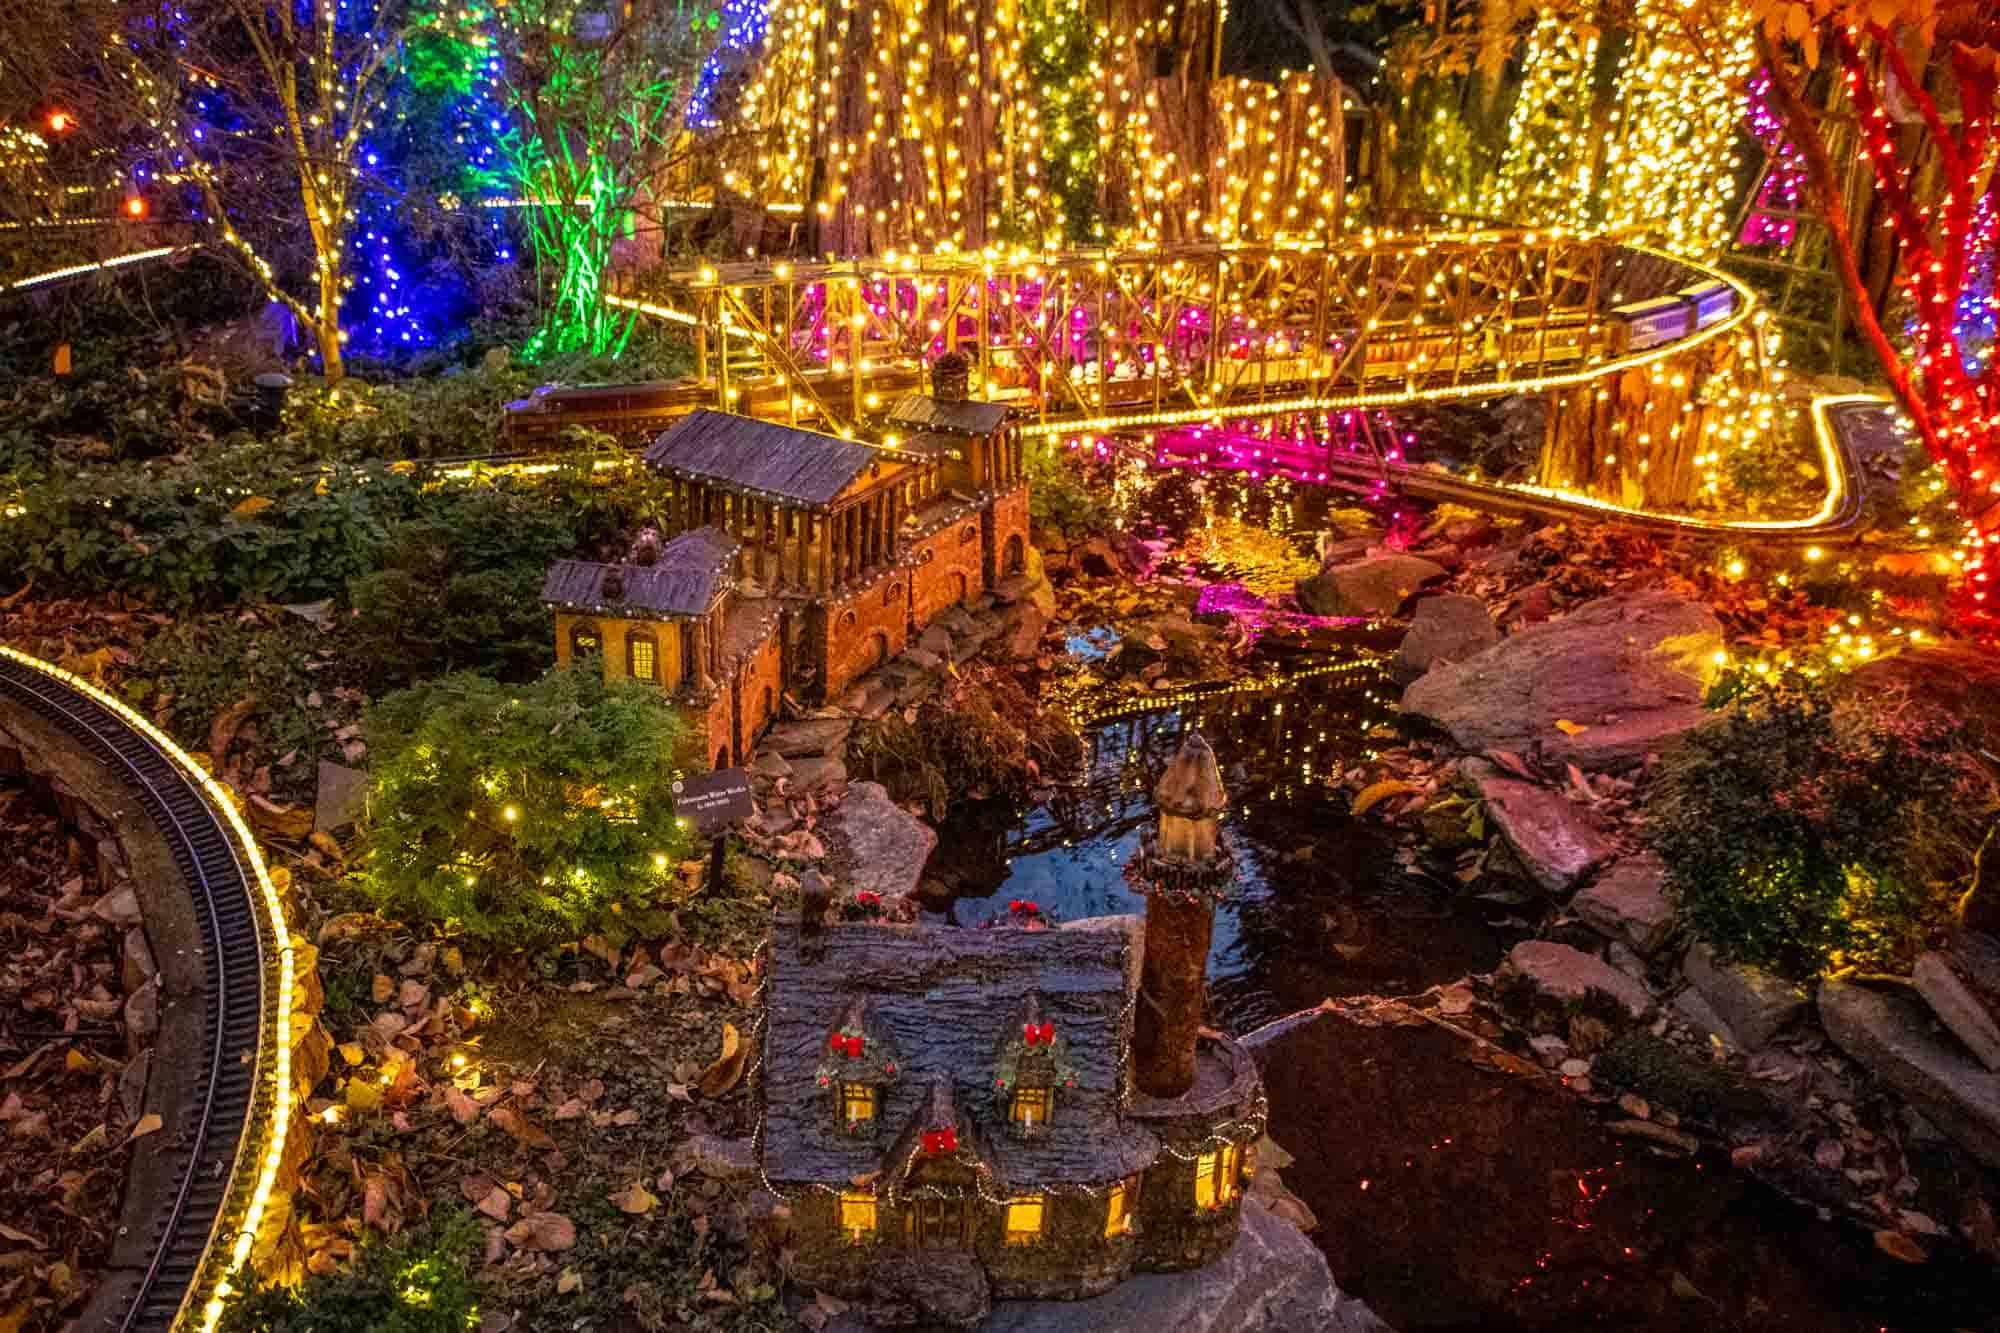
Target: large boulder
{"type": "Point", "coordinates": [1273, 1280]}
{"type": "Point", "coordinates": [1567, 976]}
{"type": "Point", "coordinates": [1629, 903]}
{"type": "Point", "coordinates": [1623, 675]}
{"type": "Point", "coordinates": [1892, 1037]}
{"type": "Point", "coordinates": [1755, 1004]}
{"type": "Point", "coordinates": [1447, 628]}
{"type": "Point", "coordinates": [1959, 986]}
{"type": "Point", "coordinates": [808, 736]}
{"type": "Point", "coordinates": [1556, 841]}
{"type": "Point", "coordinates": [886, 845]}
{"type": "Point", "coordinates": [1377, 586]}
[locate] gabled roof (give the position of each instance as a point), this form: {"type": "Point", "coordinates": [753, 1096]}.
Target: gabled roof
{"type": "Point", "coordinates": [691, 573]}
{"type": "Point", "coordinates": [949, 997]}
{"type": "Point", "coordinates": [801, 466]}
{"type": "Point", "coordinates": [921, 412]}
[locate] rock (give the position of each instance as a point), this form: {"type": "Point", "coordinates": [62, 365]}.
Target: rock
{"type": "Point", "coordinates": [1570, 976]}
{"type": "Point", "coordinates": [132, 1084]}
{"type": "Point", "coordinates": [1628, 673]}
{"type": "Point", "coordinates": [1557, 841]}
{"type": "Point", "coordinates": [137, 967]}
{"type": "Point", "coordinates": [773, 822]}
{"type": "Point", "coordinates": [1958, 1007]}
{"type": "Point", "coordinates": [1021, 631]}
{"type": "Point", "coordinates": [811, 774]}
{"type": "Point", "coordinates": [1891, 1036]}
{"type": "Point", "coordinates": [1701, 1016]}
{"type": "Point", "coordinates": [1377, 586]}
{"type": "Point", "coordinates": [342, 795]}
{"type": "Point", "coordinates": [1755, 1004]}
{"type": "Point", "coordinates": [1446, 628]}
{"type": "Point", "coordinates": [936, 640]}
{"type": "Point", "coordinates": [887, 846]}
{"type": "Point", "coordinates": [811, 735]}
{"type": "Point", "coordinates": [1629, 903]}
{"type": "Point", "coordinates": [142, 1014]}
{"type": "Point", "coordinates": [720, 1158]}
{"type": "Point", "coordinates": [922, 659]}
{"type": "Point", "coordinates": [1097, 558]}
{"type": "Point", "coordinates": [944, 1288]}
{"type": "Point", "coordinates": [1550, 1049]}
{"type": "Point", "coordinates": [120, 907]}
{"type": "Point", "coordinates": [770, 765]}
{"type": "Point", "coordinates": [1273, 1280]}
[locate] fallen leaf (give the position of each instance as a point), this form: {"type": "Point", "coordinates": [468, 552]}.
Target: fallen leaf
{"type": "Point", "coordinates": [381, 988]}
{"type": "Point", "coordinates": [520, 1127]}
{"type": "Point", "coordinates": [9, 1233]}
{"type": "Point", "coordinates": [567, 1282]}
{"type": "Point", "coordinates": [352, 1052]}
{"type": "Point", "coordinates": [496, 1203]}
{"type": "Point", "coordinates": [1380, 791]}
{"type": "Point", "coordinates": [635, 1198]}
{"type": "Point", "coordinates": [76, 1061]}
{"type": "Point", "coordinates": [149, 1123]}
{"type": "Point", "coordinates": [1569, 728]}
{"type": "Point", "coordinates": [727, 1070]}
{"type": "Point", "coordinates": [1898, 1246]}
{"type": "Point", "coordinates": [463, 1109]}
{"type": "Point", "coordinates": [252, 507]}
{"type": "Point", "coordinates": [543, 1231]}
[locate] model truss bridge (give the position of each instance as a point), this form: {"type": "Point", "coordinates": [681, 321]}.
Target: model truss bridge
{"type": "Point", "coordinates": [1142, 340]}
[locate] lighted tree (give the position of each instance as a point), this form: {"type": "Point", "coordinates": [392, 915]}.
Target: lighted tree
{"type": "Point", "coordinates": [1941, 58]}
{"type": "Point", "coordinates": [260, 110]}
{"type": "Point", "coordinates": [599, 98]}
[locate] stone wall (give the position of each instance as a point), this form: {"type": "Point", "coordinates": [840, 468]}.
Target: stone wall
{"type": "Point", "coordinates": [758, 693]}
{"type": "Point", "coordinates": [1005, 521]}
{"type": "Point", "coordinates": [949, 568]}
{"type": "Point", "coordinates": [866, 627]}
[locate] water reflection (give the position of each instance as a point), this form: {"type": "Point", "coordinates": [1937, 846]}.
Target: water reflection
{"type": "Point", "coordinates": [1322, 906]}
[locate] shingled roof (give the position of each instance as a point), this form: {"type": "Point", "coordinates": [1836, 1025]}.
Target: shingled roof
{"type": "Point", "coordinates": [949, 997]}
{"type": "Point", "coordinates": [692, 571]}
{"type": "Point", "coordinates": [743, 453]}
{"type": "Point", "coordinates": [921, 412]}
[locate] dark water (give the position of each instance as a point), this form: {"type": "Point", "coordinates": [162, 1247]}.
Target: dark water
{"type": "Point", "coordinates": [1320, 907]}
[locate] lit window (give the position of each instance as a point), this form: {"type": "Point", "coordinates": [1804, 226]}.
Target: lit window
{"type": "Point", "coordinates": [1024, 1220]}
{"type": "Point", "coordinates": [641, 657]}
{"type": "Point", "coordinates": [1118, 1210]}
{"type": "Point", "coordinates": [1215, 1177]}
{"type": "Point", "coordinates": [857, 1101]}
{"type": "Point", "coordinates": [857, 1215]}
{"type": "Point", "coordinates": [1031, 1107]}
{"type": "Point", "coordinates": [584, 640]}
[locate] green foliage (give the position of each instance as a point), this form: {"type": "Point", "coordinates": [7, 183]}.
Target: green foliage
{"type": "Point", "coordinates": [985, 738]}
{"type": "Point", "coordinates": [417, 1282]}
{"type": "Point", "coordinates": [522, 813]}
{"type": "Point", "coordinates": [1804, 833]}
{"type": "Point", "coordinates": [203, 666]}
{"type": "Point", "coordinates": [1063, 498]}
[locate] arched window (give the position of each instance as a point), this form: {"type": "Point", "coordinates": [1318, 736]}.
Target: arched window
{"type": "Point", "coordinates": [891, 593]}
{"type": "Point", "coordinates": [584, 640]}
{"type": "Point", "coordinates": [642, 655]}
{"type": "Point", "coordinates": [847, 619]}
{"type": "Point", "coordinates": [968, 534]}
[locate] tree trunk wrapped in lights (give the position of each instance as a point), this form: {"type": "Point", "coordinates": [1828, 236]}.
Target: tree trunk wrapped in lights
{"type": "Point", "coordinates": [1184, 867]}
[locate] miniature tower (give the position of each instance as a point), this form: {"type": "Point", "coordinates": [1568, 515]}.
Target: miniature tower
{"type": "Point", "coordinates": [1184, 867]}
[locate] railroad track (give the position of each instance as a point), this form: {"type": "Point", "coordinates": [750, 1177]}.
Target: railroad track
{"type": "Point", "coordinates": [225, 1156]}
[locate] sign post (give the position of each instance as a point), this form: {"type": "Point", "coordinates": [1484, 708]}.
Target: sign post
{"type": "Point", "coordinates": [714, 803]}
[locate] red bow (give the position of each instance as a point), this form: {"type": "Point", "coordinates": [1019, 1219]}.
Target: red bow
{"type": "Point", "coordinates": [1045, 1035]}
{"type": "Point", "coordinates": [838, 1043]}
{"type": "Point", "coordinates": [941, 1140]}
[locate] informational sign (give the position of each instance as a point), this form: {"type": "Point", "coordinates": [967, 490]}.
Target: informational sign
{"type": "Point", "coordinates": [713, 801]}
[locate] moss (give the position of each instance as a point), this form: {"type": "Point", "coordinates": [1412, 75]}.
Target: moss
{"type": "Point", "coordinates": [1663, 1074]}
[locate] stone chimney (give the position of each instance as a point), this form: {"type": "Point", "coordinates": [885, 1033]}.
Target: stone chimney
{"type": "Point", "coordinates": [951, 376]}
{"type": "Point", "coordinates": [1184, 867]}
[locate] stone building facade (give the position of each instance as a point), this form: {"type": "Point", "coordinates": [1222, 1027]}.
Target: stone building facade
{"type": "Point", "coordinates": [796, 561]}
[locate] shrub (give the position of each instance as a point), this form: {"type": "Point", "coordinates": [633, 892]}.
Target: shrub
{"type": "Point", "coordinates": [1063, 498]}
{"type": "Point", "coordinates": [524, 812]}
{"type": "Point", "coordinates": [1804, 833]}
{"type": "Point", "coordinates": [985, 738]}
{"type": "Point", "coordinates": [417, 1282]}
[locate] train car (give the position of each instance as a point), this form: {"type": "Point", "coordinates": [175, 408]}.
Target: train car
{"type": "Point", "coordinates": [1647, 324]}
{"type": "Point", "coordinates": [1710, 301]}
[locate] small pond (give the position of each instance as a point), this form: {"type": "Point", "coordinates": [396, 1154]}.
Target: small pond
{"type": "Point", "coordinates": [1321, 905]}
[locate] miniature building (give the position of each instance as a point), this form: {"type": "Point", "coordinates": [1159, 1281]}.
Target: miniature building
{"type": "Point", "coordinates": [825, 557]}
{"type": "Point", "coordinates": [974, 1099]}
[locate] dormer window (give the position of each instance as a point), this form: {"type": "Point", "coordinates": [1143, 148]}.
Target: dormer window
{"type": "Point", "coordinates": [859, 1062]}
{"type": "Point", "coordinates": [1031, 1107]}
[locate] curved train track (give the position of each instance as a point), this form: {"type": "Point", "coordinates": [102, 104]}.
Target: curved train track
{"type": "Point", "coordinates": [231, 1139]}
